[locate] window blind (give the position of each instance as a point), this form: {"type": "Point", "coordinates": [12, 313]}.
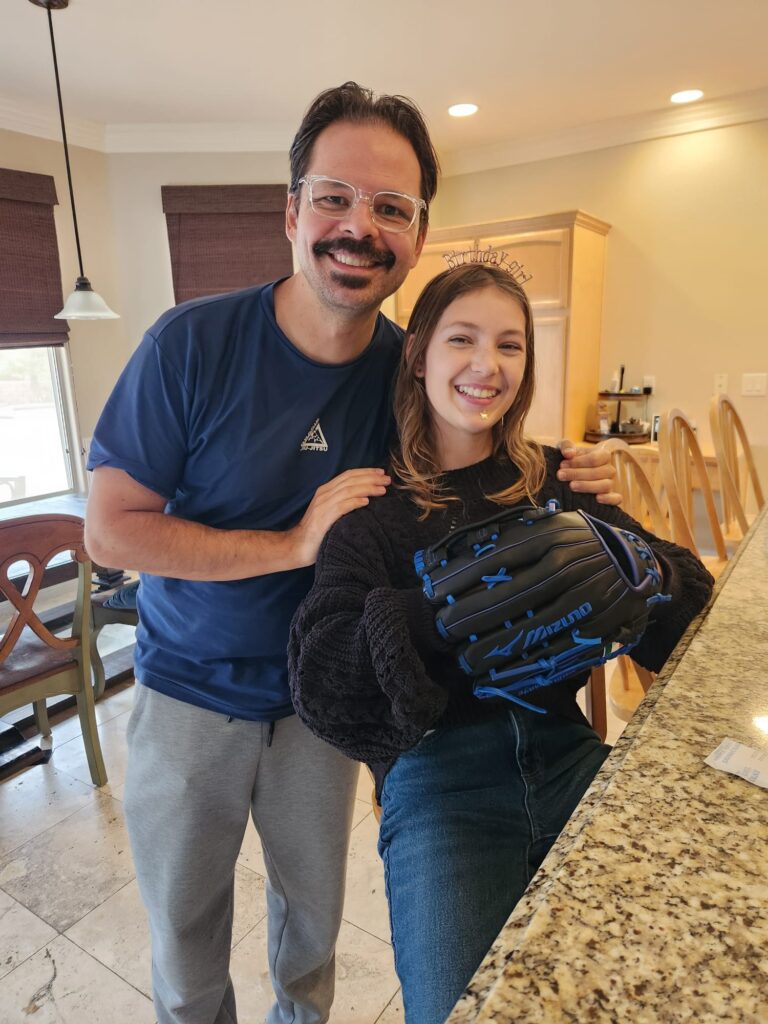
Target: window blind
{"type": "Point", "coordinates": [30, 274]}
{"type": "Point", "coordinates": [225, 237]}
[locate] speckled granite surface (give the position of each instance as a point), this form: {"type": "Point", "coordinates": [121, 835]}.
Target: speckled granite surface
{"type": "Point", "coordinates": [653, 904]}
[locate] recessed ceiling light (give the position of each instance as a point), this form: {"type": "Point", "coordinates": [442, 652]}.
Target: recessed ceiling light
{"type": "Point", "coordinates": [462, 109]}
{"type": "Point", "coordinates": [686, 96]}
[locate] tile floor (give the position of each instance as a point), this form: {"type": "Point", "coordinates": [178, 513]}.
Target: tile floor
{"type": "Point", "coordinates": [74, 947]}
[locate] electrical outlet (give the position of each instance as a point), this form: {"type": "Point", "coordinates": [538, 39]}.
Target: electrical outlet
{"type": "Point", "coordinates": [754, 384]}
{"type": "Point", "coordinates": [721, 383]}
{"type": "Point", "coordinates": [649, 382]}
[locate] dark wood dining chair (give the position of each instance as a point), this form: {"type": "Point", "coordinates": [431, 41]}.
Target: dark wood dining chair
{"type": "Point", "coordinates": [35, 663]}
{"type": "Point", "coordinates": [102, 615]}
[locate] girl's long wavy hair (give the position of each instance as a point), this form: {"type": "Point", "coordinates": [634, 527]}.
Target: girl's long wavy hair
{"type": "Point", "coordinates": [415, 460]}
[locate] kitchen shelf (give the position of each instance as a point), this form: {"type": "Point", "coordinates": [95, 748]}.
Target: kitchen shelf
{"type": "Point", "coordinates": [595, 436]}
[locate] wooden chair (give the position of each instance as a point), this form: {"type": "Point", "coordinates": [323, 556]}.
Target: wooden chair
{"type": "Point", "coordinates": [735, 464]}
{"type": "Point", "coordinates": [102, 616]}
{"type": "Point", "coordinates": [594, 696]}
{"type": "Point", "coordinates": [35, 664]}
{"type": "Point", "coordinates": [682, 465]}
{"type": "Point", "coordinates": [630, 681]}
{"type": "Point", "coordinates": [638, 496]}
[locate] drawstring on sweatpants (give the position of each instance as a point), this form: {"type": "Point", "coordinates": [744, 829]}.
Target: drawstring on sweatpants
{"type": "Point", "coordinates": [270, 731]}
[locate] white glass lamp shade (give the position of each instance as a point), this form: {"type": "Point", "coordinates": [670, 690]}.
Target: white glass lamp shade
{"type": "Point", "coordinates": [85, 304]}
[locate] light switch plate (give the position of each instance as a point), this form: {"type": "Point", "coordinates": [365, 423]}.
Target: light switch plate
{"type": "Point", "coordinates": [754, 384]}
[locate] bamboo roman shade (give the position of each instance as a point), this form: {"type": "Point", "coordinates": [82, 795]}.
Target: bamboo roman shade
{"type": "Point", "coordinates": [30, 275]}
{"type": "Point", "coordinates": [225, 237]}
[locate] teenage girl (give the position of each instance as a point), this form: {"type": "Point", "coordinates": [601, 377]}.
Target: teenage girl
{"type": "Point", "coordinates": [473, 792]}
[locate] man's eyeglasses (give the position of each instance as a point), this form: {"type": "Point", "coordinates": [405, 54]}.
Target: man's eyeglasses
{"type": "Point", "coordinates": [391, 211]}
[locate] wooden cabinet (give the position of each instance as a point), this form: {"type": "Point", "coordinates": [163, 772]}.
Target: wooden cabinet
{"type": "Point", "coordinates": [565, 254]}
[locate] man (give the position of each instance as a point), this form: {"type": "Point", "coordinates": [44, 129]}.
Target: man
{"type": "Point", "coordinates": [254, 420]}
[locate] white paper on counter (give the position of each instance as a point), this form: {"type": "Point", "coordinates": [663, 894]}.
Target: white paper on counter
{"type": "Point", "coordinates": [741, 760]}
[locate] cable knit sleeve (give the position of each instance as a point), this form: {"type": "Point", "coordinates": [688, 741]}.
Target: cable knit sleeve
{"type": "Point", "coordinates": [356, 675]}
{"type": "Point", "coordinates": [686, 580]}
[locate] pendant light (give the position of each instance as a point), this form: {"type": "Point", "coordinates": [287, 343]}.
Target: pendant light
{"type": "Point", "coordinates": [84, 303]}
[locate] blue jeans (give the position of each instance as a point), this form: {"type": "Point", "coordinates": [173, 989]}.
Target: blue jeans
{"type": "Point", "coordinates": [467, 817]}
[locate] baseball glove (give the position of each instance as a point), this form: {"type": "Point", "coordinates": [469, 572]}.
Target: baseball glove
{"type": "Point", "coordinates": [535, 595]}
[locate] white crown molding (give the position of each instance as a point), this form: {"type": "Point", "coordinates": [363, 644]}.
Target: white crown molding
{"type": "Point", "coordinates": [672, 120]}
{"type": "Point", "coordinates": [246, 137]}
{"type": "Point", "coordinates": [32, 121]}
{"type": "Point", "coordinates": [213, 137]}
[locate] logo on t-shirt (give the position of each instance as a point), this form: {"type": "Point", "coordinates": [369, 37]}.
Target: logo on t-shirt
{"type": "Point", "coordinates": [315, 439]}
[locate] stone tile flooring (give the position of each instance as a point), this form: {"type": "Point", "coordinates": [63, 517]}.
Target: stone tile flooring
{"type": "Point", "coordinates": [74, 944]}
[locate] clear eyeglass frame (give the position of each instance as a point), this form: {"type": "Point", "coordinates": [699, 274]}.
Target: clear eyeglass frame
{"type": "Point", "coordinates": [360, 194]}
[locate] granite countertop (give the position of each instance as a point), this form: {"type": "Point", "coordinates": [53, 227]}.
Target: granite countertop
{"type": "Point", "coordinates": [653, 904]}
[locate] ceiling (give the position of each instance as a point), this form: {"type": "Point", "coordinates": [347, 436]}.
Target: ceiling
{"type": "Point", "coordinates": [549, 76]}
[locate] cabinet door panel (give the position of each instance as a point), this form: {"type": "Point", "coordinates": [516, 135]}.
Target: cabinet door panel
{"type": "Point", "coordinates": [545, 420]}
{"type": "Point", "coordinates": [544, 254]}
{"type": "Point", "coordinates": [431, 263]}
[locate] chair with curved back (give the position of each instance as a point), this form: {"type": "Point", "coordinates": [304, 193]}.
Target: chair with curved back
{"type": "Point", "coordinates": [735, 464]}
{"type": "Point", "coordinates": [631, 681]}
{"type": "Point", "coordinates": [682, 467]}
{"type": "Point", "coordinates": [34, 663]}
{"type": "Point", "coordinates": [638, 496]}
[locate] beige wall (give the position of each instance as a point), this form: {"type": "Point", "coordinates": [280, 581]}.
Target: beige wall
{"type": "Point", "coordinates": [685, 264]}
{"type": "Point", "coordinates": [685, 294]}
{"type": "Point", "coordinates": [99, 348]}
{"type": "Point", "coordinates": [141, 239]}
{"type": "Point", "coordinates": [124, 240]}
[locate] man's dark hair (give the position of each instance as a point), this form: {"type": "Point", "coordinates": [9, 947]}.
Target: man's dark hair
{"type": "Point", "coordinates": [352, 103]}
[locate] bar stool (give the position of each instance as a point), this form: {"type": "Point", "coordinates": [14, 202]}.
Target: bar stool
{"type": "Point", "coordinates": [682, 465]}
{"type": "Point", "coordinates": [638, 496]}
{"type": "Point", "coordinates": [735, 465]}
{"type": "Point", "coordinates": [631, 681]}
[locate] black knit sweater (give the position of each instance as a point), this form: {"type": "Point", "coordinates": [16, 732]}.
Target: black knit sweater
{"type": "Point", "coordinates": [369, 672]}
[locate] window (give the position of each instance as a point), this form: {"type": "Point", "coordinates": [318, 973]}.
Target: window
{"type": "Point", "coordinates": [37, 424]}
{"type": "Point", "coordinates": [34, 447]}
{"type": "Point", "coordinates": [225, 237]}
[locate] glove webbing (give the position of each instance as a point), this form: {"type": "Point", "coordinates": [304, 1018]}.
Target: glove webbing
{"type": "Point", "coordinates": [554, 670]}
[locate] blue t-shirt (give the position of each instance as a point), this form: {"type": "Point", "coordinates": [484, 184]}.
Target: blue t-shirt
{"type": "Point", "coordinates": [219, 413]}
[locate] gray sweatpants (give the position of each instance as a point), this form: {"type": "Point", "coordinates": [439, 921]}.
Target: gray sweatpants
{"type": "Point", "coordinates": [193, 776]}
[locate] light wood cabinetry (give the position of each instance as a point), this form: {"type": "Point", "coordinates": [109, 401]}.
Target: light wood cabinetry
{"type": "Point", "coordinates": [565, 254]}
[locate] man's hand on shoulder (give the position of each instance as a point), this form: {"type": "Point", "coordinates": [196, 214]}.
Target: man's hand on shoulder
{"type": "Point", "coordinates": [589, 471]}
{"type": "Point", "coordinates": [342, 494]}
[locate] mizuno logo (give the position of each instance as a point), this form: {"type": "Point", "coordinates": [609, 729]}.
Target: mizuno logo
{"type": "Point", "coordinates": [542, 632]}
{"type": "Point", "coordinates": [505, 651]}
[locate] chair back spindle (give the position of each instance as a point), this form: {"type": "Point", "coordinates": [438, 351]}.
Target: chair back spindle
{"type": "Point", "coordinates": [735, 464]}
{"type": "Point", "coordinates": [682, 468]}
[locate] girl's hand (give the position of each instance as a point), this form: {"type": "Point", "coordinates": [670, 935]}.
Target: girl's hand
{"type": "Point", "coordinates": [589, 471]}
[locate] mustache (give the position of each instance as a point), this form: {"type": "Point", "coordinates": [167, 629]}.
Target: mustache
{"type": "Point", "coordinates": [362, 248]}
